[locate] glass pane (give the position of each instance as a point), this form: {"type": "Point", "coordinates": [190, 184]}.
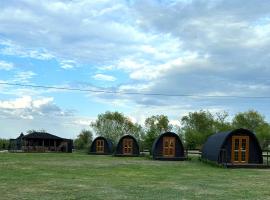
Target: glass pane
{"type": "Point", "coordinates": [236, 155]}
{"type": "Point", "coordinates": [236, 144]}
{"type": "Point", "coordinates": [243, 156]}
{"type": "Point", "coordinates": [244, 144]}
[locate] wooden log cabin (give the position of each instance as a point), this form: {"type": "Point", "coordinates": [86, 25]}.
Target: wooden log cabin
{"type": "Point", "coordinates": [237, 148]}
{"type": "Point", "coordinates": [45, 142]}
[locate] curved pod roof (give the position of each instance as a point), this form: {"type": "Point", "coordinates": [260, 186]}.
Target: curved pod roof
{"type": "Point", "coordinates": [215, 143]}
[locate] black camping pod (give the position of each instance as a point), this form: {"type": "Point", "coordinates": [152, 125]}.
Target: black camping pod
{"type": "Point", "coordinates": [127, 146]}
{"type": "Point", "coordinates": [239, 147]}
{"type": "Point", "coordinates": [168, 146]}
{"type": "Point", "coordinates": [101, 146]}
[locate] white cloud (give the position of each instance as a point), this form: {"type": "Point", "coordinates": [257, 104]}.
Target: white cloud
{"type": "Point", "coordinates": [104, 77]}
{"type": "Point", "coordinates": [26, 107]}
{"type": "Point", "coordinates": [68, 64]}
{"type": "Point", "coordinates": [12, 49]}
{"type": "Point", "coordinates": [25, 113]}
{"type": "Point", "coordinates": [6, 65]}
{"type": "Point", "coordinates": [82, 30]}
{"type": "Point", "coordinates": [143, 69]}
{"type": "Point", "coordinates": [26, 102]}
{"type": "Point", "coordinates": [19, 103]}
{"type": "Point", "coordinates": [84, 121]}
{"type": "Point", "coordinates": [40, 102]}
{"type": "Point", "coordinates": [23, 76]}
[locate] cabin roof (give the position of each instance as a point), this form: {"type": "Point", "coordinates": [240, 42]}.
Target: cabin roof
{"type": "Point", "coordinates": [20, 136]}
{"type": "Point", "coordinates": [41, 135]}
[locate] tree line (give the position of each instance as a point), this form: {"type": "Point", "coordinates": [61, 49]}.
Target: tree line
{"type": "Point", "coordinates": [4, 144]}
{"type": "Point", "coordinates": [194, 130]}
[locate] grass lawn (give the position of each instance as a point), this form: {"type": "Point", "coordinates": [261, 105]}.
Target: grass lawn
{"type": "Point", "coordinates": [79, 176]}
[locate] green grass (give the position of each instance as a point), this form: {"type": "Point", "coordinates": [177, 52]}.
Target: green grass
{"type": "Point", "coordinates": [79, 176]}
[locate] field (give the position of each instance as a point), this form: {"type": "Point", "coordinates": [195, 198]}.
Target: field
{"type": "Point", "coordinates": [80, 176]}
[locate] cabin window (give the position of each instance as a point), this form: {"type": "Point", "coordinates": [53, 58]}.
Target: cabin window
{"type": "Point", "coordinates": [240, 149]}
{"type": "Point", "coordinates": [127, 146]}
{"type": "Point", "coordinates": [169, 146]}
{"type": "Point", "coordinates": [100, 146]}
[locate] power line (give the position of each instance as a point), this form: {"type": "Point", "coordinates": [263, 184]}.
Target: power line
{"type": "Point", "coordinates": [134, 93]}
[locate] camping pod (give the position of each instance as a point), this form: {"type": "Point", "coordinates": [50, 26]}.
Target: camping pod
{"type": "Point", "coordinates": [101, 146]}
{"type": "Point", "coordinates": [239, 147]}
{"type": "Point", "coordinates": [168, 146]}
{"type": "Point", "coordinates": [127, 146]}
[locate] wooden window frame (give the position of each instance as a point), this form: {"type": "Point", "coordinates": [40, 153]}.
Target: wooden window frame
{"type": "Point", "coordinates": [100, 146]}
{"type": "Point", "coordinates": [169, 151]}
{"type": "Point", "coordinates": [127, 146]}
{"type": "Point", "coordinates": [240, 138]}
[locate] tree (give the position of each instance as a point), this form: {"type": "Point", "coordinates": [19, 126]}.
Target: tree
{"type": "Point", "coordinates": [4, 144]}
{"type": "Point", "coordinates": [113, 125]}
{"type": "Point", "coordinates": [154, 126]}
{"type": "Point", "coordinates": [263, 135]}
{"type": "Point", "coordinates": [33, 131]}
{"type": "Point", "coordinates": [250, 120]}
{"type": "Point", "coordinates": [221, 123]}
{"type": "Point", "coordinates": [83, 140]}
{"type": "Point", "coordinates": [197, 127]}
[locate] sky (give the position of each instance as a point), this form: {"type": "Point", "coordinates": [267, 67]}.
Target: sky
{"type": "Point", "coordinates": [197, 47]}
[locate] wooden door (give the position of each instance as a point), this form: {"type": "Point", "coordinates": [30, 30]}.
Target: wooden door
{"type": "Point", "coordinates": [100, 146]}
{"type": "Point", "coordinates": [169, 146]}
{"type": "Point", "coordinates": [240, 149]}
{"type": "Point", "coordinates": [127, 146]}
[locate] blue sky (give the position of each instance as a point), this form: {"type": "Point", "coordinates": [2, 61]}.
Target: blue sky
{"type": "Point", "coordinates": [198, 47]}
